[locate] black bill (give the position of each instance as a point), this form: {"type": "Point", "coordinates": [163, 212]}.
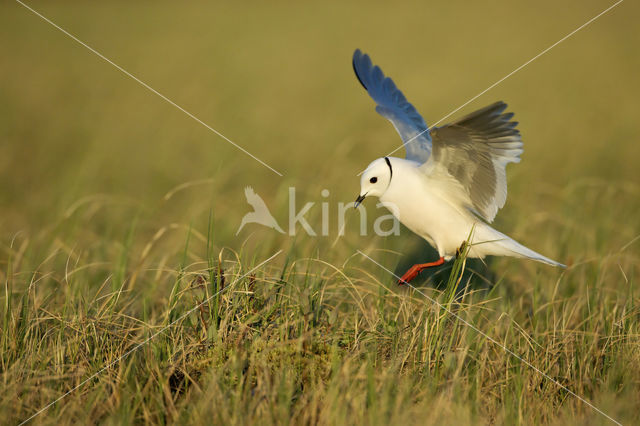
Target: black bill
{"type": "Point", "coordinates": [359, 200]}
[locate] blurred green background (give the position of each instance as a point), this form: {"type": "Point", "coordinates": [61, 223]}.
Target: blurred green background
{"type": "Point", "coordinates": [276, 78]}
{"type": "Point", "coordinates": [88, 154]}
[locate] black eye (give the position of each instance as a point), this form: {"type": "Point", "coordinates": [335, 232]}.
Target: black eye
{"type": "Point", "coordinates": [373, 179]}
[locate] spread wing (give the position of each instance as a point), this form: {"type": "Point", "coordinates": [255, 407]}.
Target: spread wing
{"type": "Point", "coordinates": [393, 106]}
{"type": "Point", "coordinates": [471, 155]}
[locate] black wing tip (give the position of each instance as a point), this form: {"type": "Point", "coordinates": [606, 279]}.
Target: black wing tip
{"type": "Point", "coordinates": [498, 107]}
{"type": "Point", "coordinates": [506, 117]}
{"type": "Point", "coordinates": [491, 118]}
{"type": "Point", "coordinates": [358, 56]}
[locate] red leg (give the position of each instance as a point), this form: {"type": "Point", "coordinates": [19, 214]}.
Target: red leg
{"type": "Point", "coordinates": [415, 270]}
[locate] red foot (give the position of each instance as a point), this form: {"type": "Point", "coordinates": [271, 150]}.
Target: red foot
{"type": "Point", "coordinates": [415, 270]}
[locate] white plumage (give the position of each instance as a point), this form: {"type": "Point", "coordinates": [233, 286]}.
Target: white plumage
{"type": "Point", "coordinates": [453, 178]}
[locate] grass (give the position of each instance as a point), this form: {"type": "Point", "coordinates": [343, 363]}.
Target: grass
{"type": "Point", "coordinates": [307, 342]}
{"type": "Point", "coordinates": [119, 217]}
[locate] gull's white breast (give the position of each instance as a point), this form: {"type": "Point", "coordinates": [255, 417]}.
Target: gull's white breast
{"type": "Point", "coordinates": [420, 204]}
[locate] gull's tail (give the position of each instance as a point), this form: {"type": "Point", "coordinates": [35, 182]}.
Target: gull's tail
{"type": "Point", "coordinates": [516, 249]}
{"type": "Point", "coordinates": [494, 243]}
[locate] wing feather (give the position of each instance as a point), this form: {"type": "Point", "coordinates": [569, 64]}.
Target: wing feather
{"type": "Point", "coordinates": [472, 153]}
{"type": "Point", "coordinates": [393, 106]}
{"type": "Point", "coordinates": [469, 155]}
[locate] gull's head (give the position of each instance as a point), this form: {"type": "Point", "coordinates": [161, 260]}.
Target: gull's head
{"type": "Point", "coordinates": [375, 179]}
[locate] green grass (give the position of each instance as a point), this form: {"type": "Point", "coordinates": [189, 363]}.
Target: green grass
{"type": "Point", "coordinates": [118, 217]}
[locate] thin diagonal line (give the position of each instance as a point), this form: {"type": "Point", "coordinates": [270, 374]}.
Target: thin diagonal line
{"type": "Point", "coordinates": [146, 86]}
{"type": "Point", "coordinates": [138, 346]}
{"type": "Point", "coordinates": [509, 75]}
{"type": "Point", "coordinates": [491, 339]}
